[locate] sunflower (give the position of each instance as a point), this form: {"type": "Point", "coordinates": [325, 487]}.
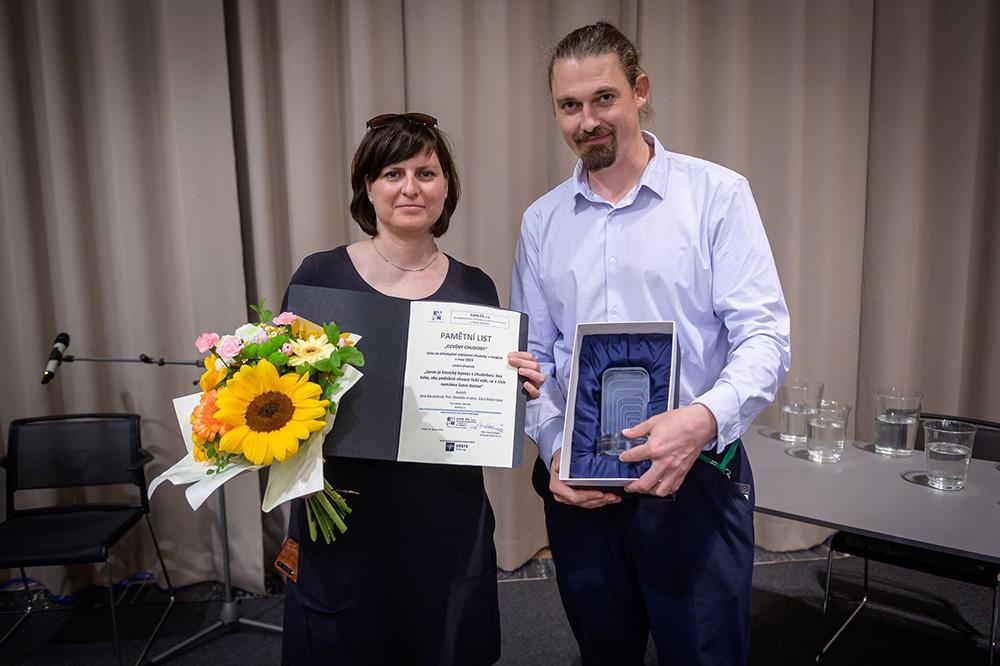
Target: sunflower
{"type": "Point", "coordinates": [269, 414]}
{"type": "Point", "coordinates": [311, 350]}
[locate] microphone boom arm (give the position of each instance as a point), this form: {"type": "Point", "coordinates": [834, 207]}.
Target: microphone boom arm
{"type": "Point", "coordinates": [143, 358]}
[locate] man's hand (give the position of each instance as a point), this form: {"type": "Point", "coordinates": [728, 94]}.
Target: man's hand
{"type": "Point", "coordinates": [585, 499]}
{"type": "Point", "coordinates": [676, 438]}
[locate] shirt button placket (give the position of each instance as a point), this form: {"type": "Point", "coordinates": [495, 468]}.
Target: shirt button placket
{"type": "Point", "coordinates": [612, 250]}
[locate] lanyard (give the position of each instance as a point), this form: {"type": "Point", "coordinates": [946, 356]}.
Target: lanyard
{"type": "Point", "coordinates": [723, 465]}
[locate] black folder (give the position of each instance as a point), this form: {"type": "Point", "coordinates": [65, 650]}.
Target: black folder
{"type": "Point", "coordinates": [369, 416]}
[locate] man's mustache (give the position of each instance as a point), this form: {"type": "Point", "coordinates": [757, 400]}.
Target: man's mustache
{"type": "Point", "coordinates": [595, 133]}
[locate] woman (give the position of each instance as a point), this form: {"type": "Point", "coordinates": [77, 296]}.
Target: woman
{"type": "Point", "coordinates": [413, 581]}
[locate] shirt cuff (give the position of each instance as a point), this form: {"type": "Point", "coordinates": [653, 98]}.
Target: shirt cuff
{"type": "Point", "coordinates": [724, 403]}
{"type": "Point", "coordinates": [550, 436]}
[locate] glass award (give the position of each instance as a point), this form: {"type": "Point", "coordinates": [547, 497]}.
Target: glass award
{"type": "Point", "coordinates": [624, 397]}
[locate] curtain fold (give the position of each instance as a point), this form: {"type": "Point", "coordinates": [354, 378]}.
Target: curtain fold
{"type": "Point", "coordinates": [157, 171]}
{"type": "Point", "coordinates": [930, 308]}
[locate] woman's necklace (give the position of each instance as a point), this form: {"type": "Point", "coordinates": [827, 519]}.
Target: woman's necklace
{"type": "Point", "coordinates": [408, 270]}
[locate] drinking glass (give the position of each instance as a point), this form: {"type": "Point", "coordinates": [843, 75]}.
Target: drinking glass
{"type": "Point", "coordinates": [896, 414]}
{"type": "Point", "coordinates": [798, 398]}
{"type": "Point", "coordinates": [826, 431]}
{"type": "Point", "coordinates": [947, 450]}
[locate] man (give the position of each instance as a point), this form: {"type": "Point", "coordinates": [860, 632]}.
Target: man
{"type": "Point", "coordinates": [642, 234]}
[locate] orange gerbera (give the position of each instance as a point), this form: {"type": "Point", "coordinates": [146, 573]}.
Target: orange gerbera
{"type": "Point", "coordinates": [204, 425]}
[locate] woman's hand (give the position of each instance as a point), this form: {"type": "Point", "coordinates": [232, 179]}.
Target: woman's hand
{"type": "Point", "coordinates": [528, 368]}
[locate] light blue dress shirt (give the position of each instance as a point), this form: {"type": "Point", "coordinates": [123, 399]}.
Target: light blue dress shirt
{"type": "Point", "coordinates": [687, 245]}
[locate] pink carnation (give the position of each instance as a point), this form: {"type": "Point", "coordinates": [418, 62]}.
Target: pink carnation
{"type": "Point", "coordinates": [229, 347]}
{"type": "Point", "coordinates": [286, 348]}
{"type": "Point", "coordinates": [284, 318]}
{"type": "Point", "coordinates": [205, 341]}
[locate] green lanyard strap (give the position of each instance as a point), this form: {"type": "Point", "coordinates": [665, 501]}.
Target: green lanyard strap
{"type": "Point", "coordinates": [723, 465]}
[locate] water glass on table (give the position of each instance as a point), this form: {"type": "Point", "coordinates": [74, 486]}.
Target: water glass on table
{"type": "Point", "coordinates": [896, 421]}
{"type": "Point", "coordinates": [827, 431]}
{"type": "Point", "coordinates": [798, 402]}
{"type": "Point", "coordinates": [947, 450]}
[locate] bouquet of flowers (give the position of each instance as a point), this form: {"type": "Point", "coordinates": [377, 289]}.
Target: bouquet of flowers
{"type": "Point", "coordinates": [268, 398]}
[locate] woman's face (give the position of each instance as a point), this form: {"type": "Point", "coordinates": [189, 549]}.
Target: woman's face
{"type": "Point", "coordinates": [409, 196]}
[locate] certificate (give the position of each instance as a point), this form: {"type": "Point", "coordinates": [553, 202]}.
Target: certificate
{"type": "Point", "coordinates": [437, 387]}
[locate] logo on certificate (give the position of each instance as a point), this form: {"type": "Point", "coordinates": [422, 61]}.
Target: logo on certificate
{"type": "Point", "coordinates": [449, 446]}
{"type": "Point", "coordinates": [436, 315]}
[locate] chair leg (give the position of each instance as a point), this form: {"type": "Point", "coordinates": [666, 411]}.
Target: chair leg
{"type": "Point", "coordinates": [170, 588]}
{"type": "Point", "coordinates": [27, 611]}
{"type": "Point", "coordinates": [864, 600]}
{"type": "Point", "coordinates": [114, 615]}
{"type": "Point", "coordinates": [993, 620]}
{"type": "Point", "coordinates": [829, 570]}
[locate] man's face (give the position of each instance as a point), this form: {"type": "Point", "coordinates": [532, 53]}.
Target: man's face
{"type": "Point", "coordinates": [596, 108]}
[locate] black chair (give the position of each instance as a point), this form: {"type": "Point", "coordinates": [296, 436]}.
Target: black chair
{"type": "Point", "coordinates": [74, 451]}
{"type": "Point", "coordinates": [986, 446]}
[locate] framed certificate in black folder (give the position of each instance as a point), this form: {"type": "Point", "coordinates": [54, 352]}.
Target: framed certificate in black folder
{"type": "Point", "coordinates": [437, 387]}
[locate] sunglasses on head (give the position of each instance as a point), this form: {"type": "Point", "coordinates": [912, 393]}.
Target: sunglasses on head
{"type": "Point", "coordinates": [385, 119]}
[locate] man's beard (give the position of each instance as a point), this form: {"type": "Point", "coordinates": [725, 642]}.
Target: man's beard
{"type": "Point", "coordinates": [599, 156]}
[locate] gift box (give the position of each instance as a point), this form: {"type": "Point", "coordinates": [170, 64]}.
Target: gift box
{"type": "Point", "coordinates": [621, 374]}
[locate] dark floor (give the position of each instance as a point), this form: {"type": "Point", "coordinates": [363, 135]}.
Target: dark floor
{"type": "Point", "coordinates": [915, 619]}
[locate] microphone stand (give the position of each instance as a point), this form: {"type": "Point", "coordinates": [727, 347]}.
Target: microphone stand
{"type": "Point", "coordinates": [229, 615]}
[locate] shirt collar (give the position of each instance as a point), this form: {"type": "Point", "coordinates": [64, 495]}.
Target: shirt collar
{"type": "Point", "coordinates": [654, 176]}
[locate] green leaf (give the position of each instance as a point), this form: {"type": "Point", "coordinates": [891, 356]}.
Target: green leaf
{"type": "Point", "coordinates": [262, 312]}
{"type": "Point", "coordinates": [249, 351]}
{"type": "Point", "coordinates": [332, 408]}
{"type": "Point", "coordinates": [281, 339]}
{"type": "Point", "coordinates": [337, 372]}
{"type": "Point", "coordinates": [323, 365]}
{"type": "Point", "coordinates": [351, 355]}
{"type": "Point", "coordinates": [332, 332]}
{"type": "Point", "coordinates": [302, 369]}
{"type": "Point", "coordinates": [278, 359]}
{"type": "Point", "coordinates": [335, 358]}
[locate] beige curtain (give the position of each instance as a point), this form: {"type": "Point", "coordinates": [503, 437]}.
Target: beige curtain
{"type": "Point", "coordinates": [930, 299]}
{"type": "Point", "coordinates": [119, 225]}
{"type": "Point", "coordinates": [163, 162]}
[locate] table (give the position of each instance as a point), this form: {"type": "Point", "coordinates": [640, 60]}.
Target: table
{"type": "Point", "coordinates": [867, 494]}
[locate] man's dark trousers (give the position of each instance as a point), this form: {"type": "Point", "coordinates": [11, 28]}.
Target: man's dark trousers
{"type": "Point", "coordinates": [680, 568]}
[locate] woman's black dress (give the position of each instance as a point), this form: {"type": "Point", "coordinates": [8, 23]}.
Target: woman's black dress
{"type": "Point", "coordinates": [413, 581]}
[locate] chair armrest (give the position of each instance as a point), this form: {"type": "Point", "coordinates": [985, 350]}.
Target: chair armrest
{"type": "Point", "coordinates": [144, 457]}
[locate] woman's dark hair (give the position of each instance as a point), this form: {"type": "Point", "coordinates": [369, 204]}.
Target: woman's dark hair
{"type": "Point", "coordinates": [394, 142]}
{"type": "Point", "coordinates": [599, 39]}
